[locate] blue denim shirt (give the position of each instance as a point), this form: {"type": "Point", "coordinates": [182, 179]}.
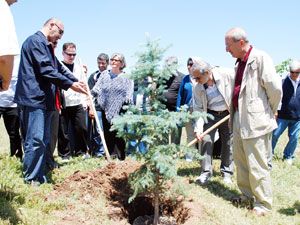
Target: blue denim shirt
{"type": "Point", "coordinates": [185, 92]}
{"type": "Point", "coordinates": [39, 73]}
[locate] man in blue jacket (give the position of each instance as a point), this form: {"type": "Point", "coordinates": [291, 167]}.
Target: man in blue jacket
{"type": "Point", "coordinates": [39, 73]}
{"type": "Point", "coordinates": [289, 113]}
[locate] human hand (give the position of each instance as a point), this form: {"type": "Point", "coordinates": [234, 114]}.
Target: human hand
{"type": "Point", "coordinates": [79, 87]}
{"type": "Point", "coordinates": [4, 85]}
{"type": "Point", "coordinates": [91, 114]}
{"type": "Point", "coordinates": [276, 115]}
{"type": "Point", "coordinates": [199, 136]}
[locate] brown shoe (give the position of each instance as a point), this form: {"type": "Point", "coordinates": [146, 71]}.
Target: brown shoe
{"type": "Point", "coordinates": [242, 201]}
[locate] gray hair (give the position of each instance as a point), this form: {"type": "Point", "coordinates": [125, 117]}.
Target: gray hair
{"type": "Point", "coordinates": [237, 34]}
{"type": "Point", "coordinates": [52, 20]}
{"type": "Point", "coordinates": [120, 57]}
{"type": "Point", "coordinates": [171, 61]}
{"type": "Point", "coordinates": [294, 65]}
{"type": "Point", "coordinates": [201, 65]}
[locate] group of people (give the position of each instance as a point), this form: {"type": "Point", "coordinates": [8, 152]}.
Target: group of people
{"type": "Point", "coordinates": [49, 100]}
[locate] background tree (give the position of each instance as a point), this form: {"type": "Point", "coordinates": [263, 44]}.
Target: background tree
{"type": "Point", "coordinates": [283, 67]}
{"type": "Point", "coordinates": [149, 126]}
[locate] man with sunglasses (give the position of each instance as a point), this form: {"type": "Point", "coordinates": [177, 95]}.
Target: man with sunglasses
{"type": "Point", "coordinates": [72, 133]}
{"type": "Point", "coordinates": [212, 94]}
{"type": "Point", "coordinates": [289, 113]}
{"type": "Point", "coordinates": [39, 73]}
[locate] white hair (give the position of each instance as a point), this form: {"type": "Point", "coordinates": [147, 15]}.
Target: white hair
{"type": "Point", "coordinates": [237, 34]}
{"type": "Point", "coordinates": [294, 65]}
{"type": "Point", "coordinates": [201, 65]}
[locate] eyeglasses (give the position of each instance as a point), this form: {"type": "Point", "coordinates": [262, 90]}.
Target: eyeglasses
{"type": "Point", "coordinates": [115, 60]}
{"type": "Point", "coordinates": [60, 31]}
{"type": "Point", "coordinates": [295, 72]}
{"type": "Point", "coordinates": [70, 54]}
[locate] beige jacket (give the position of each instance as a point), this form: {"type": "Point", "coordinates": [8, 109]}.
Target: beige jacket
{"type": "Point", "coordinates": [259, 96]}
{"type": "Point", "coordinates": [224, 79]}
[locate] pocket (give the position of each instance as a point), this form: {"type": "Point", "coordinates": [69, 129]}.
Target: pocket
{"type": "Point", "coordinates": [258, 116]}
{"type": "Point", "coordinates": [256, 106]}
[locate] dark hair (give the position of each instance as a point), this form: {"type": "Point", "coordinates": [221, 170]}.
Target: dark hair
{"type": "Point", "coordinates": [103, 56]}
{"type": "Point", "coordinates": [189, 62]}
{"type": "Point", "coordinates": [67, 45]}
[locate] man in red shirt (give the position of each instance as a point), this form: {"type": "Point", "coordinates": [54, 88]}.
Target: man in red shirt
{"type": "Point", "coordinates": [256, 96]}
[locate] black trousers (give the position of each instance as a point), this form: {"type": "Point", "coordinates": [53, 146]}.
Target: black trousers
{"type": "Point", "coordinates": [52, 116]}
{"type": "Point", "coordinates": [72, 132]}
{"type": "Point", "coordinates": [115, 145]}
{"type": "Point", "coordinates": [12, 125]}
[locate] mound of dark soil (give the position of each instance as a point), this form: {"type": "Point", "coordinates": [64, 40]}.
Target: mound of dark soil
{"type": "Point", "coordinates": [112, 181]}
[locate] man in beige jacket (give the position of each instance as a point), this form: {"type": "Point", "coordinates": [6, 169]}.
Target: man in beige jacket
{"type": "Point", "coordinates": [212, 94]}
{"type": "Point", "coordinates": [256, 96]}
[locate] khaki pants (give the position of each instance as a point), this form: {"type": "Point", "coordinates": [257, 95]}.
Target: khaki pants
{"type": "Point", "coordinates": [253, 173]}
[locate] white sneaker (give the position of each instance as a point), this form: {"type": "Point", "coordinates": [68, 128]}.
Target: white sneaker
{"type": "Point", "coordinates": [289, 161]}
{"type": "Point", "coordinates": [65, 159]}
{"type": "Point", "coordinates": [260, 211]}
{"type": "Point", "coordinates": [203, 178]}
{"type": "Point", "coordinates": [227, 180]}
{"type": "Point", "coordinates": [86, 156]}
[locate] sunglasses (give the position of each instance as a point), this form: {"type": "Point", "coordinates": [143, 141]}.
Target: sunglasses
{"type": "Point", "coordinates": [70, 54]}
{"type": "Point", "coordinates": [295, 72]}
{"type": "Point", "coordinates": [115, 60]}
{"type": "Point", "coordinates": [60, 31]}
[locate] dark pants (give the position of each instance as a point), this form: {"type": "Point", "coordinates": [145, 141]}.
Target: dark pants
{"type": "Point", "coordinates": [72, 131]}
{"type": "Point", "coordinates": [115, 145]}
{"type": "Point", "coordinates": [12, 125]}
{"type": "Point", "coordinates": [53, 117]}
{"type": "Point", "coordinates": [94, 140]}
{"type": "Point", "coordinates": [208, 145]}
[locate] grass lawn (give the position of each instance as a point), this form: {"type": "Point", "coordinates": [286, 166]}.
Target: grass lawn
{"type": "Point", "coordinates": [24, 204]}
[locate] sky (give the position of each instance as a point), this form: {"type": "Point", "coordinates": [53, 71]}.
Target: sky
{"type": "Point", "coordinates": [191, 27]}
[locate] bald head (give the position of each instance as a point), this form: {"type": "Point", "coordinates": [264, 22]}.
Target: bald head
{"type": "Point", "coordinates": [236, 42]}
{"type": "Point", "coordinates": [53, 29]}
{"type": "Point", "coordinates": [237, 34]}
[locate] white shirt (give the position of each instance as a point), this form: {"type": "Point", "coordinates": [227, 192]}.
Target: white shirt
{"type": "Point", "coordinates": [73, 98]}
{"type": "Point", "coordinates": [7, 97]}
{"type": "Point", "coordinates": [8, 38]}
{"type": "Point", "coordinates": [295, 84]}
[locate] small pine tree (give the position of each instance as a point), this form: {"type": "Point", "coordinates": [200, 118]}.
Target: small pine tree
{"type": "Point", "coordinates": [151, 125]}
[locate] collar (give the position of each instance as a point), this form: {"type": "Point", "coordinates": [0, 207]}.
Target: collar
{"type": "Point", "coordinates": [247, 54]}
{"type": "Point", "coordinates": [294, 81]}
{"type": "Point", "coordinates": [245, 59]}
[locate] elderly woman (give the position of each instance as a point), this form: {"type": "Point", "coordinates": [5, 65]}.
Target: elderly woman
{"type": "Point", "coordinates": [113, 90]}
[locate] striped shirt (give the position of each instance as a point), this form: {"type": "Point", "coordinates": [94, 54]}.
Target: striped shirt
{"type": "Point", "coordinates": [215, 100]}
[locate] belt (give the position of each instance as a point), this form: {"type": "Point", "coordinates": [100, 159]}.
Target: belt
{"type": "Point", "coordinates": [217, 112]}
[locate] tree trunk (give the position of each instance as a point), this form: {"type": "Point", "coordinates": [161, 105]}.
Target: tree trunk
{"type": "Point", "coordinates": [156, 202]}
{"type": "Point", "coordinates": [156, 210]}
